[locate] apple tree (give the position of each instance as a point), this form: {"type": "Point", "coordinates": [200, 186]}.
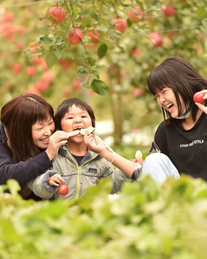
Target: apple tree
{"type": "Point", "coordinates": [108, 47]}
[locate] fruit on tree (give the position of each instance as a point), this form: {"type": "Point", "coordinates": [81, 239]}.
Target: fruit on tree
{"type": "Point", "coordinates": [57, 13]}
{"type": "Point", "coordinates": [17, 68]}
{"type": "Point", "coordinates": [168, 11]}
{"type": "Point", "coordinates": [31, 70]}
{"type": "Point", "coordinates": [47, 76]}
{"type": "Point", "coordinates": [137, 15]}
{"type": "Point", "coordinates": [41, 86]}
{"type": "Point", "coordinates": [94, 35]}
{"type": "Point", "coordinates": [120, 24]}
{"type": "Point", "coordinates": [63, 189]}
{"type": "Point", "coordinates": [74, 36]}
{"type": "Point", "coordinates": [156, 38]}
{"type": "Point", "coordinates": [198, 97]}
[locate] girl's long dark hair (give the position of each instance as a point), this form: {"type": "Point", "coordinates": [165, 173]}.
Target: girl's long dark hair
{"type": "Point", "coordinates": [18, 116]}
{"type": "Point", "coordinates": [182, 78]}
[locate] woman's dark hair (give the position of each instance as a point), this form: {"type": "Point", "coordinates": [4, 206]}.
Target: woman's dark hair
{"type": "Point", "coordinates": [18, 115]}
{"type": "Point", "coordinates": [64, 107]}
{"type": "Point", "coordinates": [179, 75]}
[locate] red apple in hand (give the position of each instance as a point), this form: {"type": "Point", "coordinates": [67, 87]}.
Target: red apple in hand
{"type": "Point", "coordinates": [63, 189]}
{"type": "Point", "coordinates": [156, 38]}
{"type": "Point", "coordinates": [121, 24]}
{"type": "Point", "coordinates": [198, 97]}
{"type": "Point", "coordinates": [57, 14]}
{"type": "Point", "coordinates": [74, 36]}
{"type": "Point", "coordinates": [137, 15]}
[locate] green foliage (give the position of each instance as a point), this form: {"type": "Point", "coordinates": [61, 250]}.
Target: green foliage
{"type": "Point", "coordinates": [144, 222]}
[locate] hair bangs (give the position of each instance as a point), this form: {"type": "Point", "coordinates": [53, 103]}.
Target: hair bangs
{"type": "Point", "coordinates": [157, 80]}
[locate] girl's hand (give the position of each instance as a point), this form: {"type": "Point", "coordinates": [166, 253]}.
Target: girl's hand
{"type": "Point", "coordinates": [56, 180]}
{"type": "Point", "coordinates": [140, 161]}
{"type": "Point", "coordinates": [94, 143]}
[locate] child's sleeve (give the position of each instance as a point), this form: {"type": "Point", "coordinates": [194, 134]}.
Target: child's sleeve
{"type": "Point", "coordinates": [41, 187]}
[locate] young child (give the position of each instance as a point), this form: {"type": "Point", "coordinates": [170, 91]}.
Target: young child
{"type": "Point", "coordinates": [74, 166]}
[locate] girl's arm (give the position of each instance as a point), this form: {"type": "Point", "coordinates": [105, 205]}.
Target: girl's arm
{"type": "Point", "coordinates": [95, 144]}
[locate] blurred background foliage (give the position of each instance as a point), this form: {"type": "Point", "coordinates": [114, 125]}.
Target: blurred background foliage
{"type": "Point", "coordinates": [36, 57]}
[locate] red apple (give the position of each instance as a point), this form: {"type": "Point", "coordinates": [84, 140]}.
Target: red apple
{"type": "Point", "coordinates": [47, 76]}
{"type": "Point", "coordinates": [121, 24]}
{"type": "Point", "coordinates": [94, 35]}
{"type": "Point", "coordinates": [57, 14]}
{"type": "Point", "coordinates": [17, 68]}
{"type": "Point", "coordinates": [198, 97]}
{"type": "Point", "coordinates": [168, 10]}
{"type": "Point", "coordinates": [41, 86]}
{"type": "Point", "coordinates": [136, 16]}
{"type": "Point", "coordinates": [63, 189]}
{"type": "Point", "coordinates": [156, 38]}
{"type": "Point", "coordinates": [31, 70]}
{"type": "Point", "coordinates": [76, 84]}
{"type": "Point", "coordinates": [74, 36]}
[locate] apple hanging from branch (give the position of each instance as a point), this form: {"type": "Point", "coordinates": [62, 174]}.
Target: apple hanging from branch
{"type": "Point", "coordinates": [57, 13]}
{"type": "Point", "coordinates": [137, 15]}
{"type": "Point", "coordinates": [75, 36]}
{"type": "Point", "coordinates": [120, 24]}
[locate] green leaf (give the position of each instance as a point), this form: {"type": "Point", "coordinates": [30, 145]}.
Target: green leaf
{"type": "Point", "coordinates": [58, 54]}
{"type": "Point", "coordinates": [94, 74]}
{"type": "Point", "coordinates": [99, 87]}
{"type": "Point", "coordinates": [51, 60]}
{"type": "Point", "coordinates": [45, 40]}
{"type": "Point", "coordinates": [102, 50]}
{"type": "Point", "coordinates": [85, 84]}
{"type": "Point", "coordinates": [201, 12]}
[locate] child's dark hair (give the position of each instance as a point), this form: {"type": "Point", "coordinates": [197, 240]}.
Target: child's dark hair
{"type": "Point", "coordinates": [179, 75]}
{"type": "Point", "coordinates": [64, 107]}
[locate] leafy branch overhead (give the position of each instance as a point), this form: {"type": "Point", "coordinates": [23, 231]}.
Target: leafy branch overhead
{"type": "Point", "coordinates": [86, 32]}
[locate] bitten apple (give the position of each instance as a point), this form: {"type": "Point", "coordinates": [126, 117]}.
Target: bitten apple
{"type": "Point", "coordinates": [74, 36]}
{"type": "Point", "coordinates": [120, 24]}
{"type": "Point", "coordinates": [57, 13]}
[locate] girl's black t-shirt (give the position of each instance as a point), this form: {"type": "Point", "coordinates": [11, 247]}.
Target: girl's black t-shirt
{"type": "Point", "coordinates": [187, 149]}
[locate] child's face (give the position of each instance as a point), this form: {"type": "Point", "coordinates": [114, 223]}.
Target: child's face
{"type": "Point", "coordinates": [74, 119]}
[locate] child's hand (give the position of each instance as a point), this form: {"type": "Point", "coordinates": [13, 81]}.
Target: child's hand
{"type": "Point", "coordinates": [56, 180]}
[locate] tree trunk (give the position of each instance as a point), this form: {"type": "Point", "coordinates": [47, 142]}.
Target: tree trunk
{"type": "Point", "coordinates": [116, 102]}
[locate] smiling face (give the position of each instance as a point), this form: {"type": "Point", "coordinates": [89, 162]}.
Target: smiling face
{"type": "Point", "coordinates": [167, 100]}
{"type": "Point", "coordinates": [41, 131]}
{"type": "Point", "coordinates": [76, 118]}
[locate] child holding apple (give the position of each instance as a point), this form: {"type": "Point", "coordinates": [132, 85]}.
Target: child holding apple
{"type": "Point", "coordinates": [75, 166]}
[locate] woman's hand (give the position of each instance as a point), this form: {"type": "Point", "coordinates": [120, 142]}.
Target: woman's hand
{"type": "Point", "coordinates": [56, 180]}
{"type": "Point", "coordinates": [57, 139]}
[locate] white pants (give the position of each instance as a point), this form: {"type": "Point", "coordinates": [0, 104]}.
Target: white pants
{"type": "Point", "coordinates": [159, 167]}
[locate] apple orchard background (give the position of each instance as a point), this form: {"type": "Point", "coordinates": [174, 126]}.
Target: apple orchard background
{"type": "Point", "coordinates": [109, 65]}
